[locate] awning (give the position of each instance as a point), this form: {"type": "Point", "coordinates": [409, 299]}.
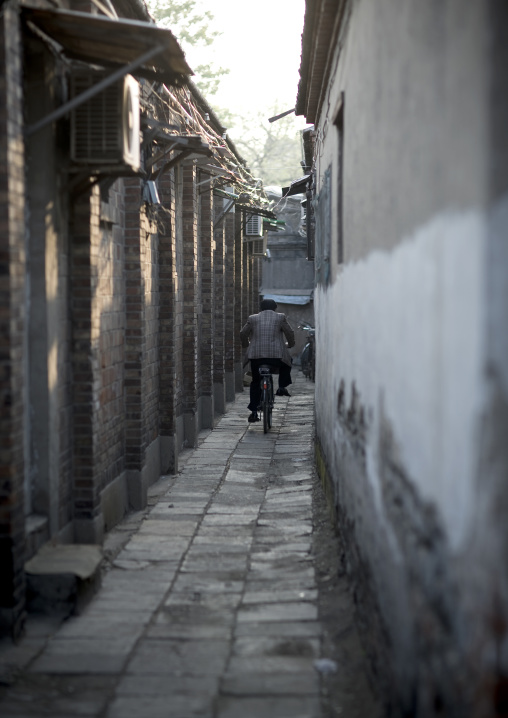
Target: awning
{"type": "Point", "coordinates": [274, 224]}
{"type": "Point", "coordinates": [288, 296]}
{"type": "Point", "coordinates": [256, 210]}
{"type": "Point", "coordinates": [299, 186]}
{"type": "Point", "coordinates": [102, 40]}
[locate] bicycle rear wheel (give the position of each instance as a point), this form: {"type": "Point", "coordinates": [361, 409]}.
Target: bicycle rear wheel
{"type": "Point", "coordinates": [267, 419]}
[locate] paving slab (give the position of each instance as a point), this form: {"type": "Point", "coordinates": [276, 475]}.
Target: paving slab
{"type": "Point", "coordinates": [58, 696]}
{"type": "Point", "coordinates": [209, 598]}
{"type": "Point", "coordinates": [157, 706]}
{"type": "Point", "coordinates": [213, 601]}
{"type": "Point", "coordinates": [298, 647]}
{"type": "Point", "coordinates": [292, 629]}
{"type": "Point", "coordinates": [297, 611]}
{"type": "Point", "coordinates": [132, 685]}
{"type": "Point", "coordinates": [207, 582]}
{"type": "Point", "coordinates": [270, 684]}
{"type": "Point", "coordinates": [179, 657]}
{"type": "Point", "coordinates": [274, 707]}
{"type": "Point", "coordinates": [279, 596]}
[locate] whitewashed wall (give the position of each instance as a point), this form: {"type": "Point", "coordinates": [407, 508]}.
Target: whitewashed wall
{"type": "Point", "coordinates": [407, 326]}
{"type": "Point", "coordinates": [415, 322]}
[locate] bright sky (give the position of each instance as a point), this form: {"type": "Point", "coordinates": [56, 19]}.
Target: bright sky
{"type": "Point", "coordinates": [261, 46]}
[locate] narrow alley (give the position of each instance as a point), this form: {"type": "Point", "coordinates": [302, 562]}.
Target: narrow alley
{"type": "Point", "coordinates": [209, 603]}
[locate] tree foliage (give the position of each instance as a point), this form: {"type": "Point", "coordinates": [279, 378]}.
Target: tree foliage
{"type": "Point", "coordinates": [272, 150]}
{"type": "Point", "coordinates": [193, 28]}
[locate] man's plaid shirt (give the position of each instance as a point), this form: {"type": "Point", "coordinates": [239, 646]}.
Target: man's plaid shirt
{"type": "Point", "coordinates": [267, 332]}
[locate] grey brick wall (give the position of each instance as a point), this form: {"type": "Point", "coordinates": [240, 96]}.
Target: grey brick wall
{"type": "Point", "coordinates": [85, 307]}
{"type": "Point", "coordinates": [167, 328]}
{"type": "Point", "coordinates": [219, 308]}
{"type": "Point", "coordinates": [229, 308]}
{"type": "Point", "coordinates": [112, 308]}
{"type": "Point", "coordinates": [190, 301]}
{"type": "Point", "coordinates": [12, 264]}
{"type": "Point", "coordinates": [238, 302]}
{"type": "Point", "coordinates": [207, 292]}
{"type": "Point", "coordinates": [138, 312]}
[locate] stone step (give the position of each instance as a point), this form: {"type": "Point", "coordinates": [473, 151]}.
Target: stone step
{"type": "Point", "coordinates": [62, 578]}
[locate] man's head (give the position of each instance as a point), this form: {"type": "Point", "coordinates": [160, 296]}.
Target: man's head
{"type": "Point", "coordinates": [268, 304]}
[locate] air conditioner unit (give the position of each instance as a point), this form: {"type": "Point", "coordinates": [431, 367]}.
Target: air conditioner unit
{"type": "Point", "coordinates": [105, 128]}
{"type": "Point", "coordinates": [259, 248]}
{"type": "Point", "coordinates": [254, 226]}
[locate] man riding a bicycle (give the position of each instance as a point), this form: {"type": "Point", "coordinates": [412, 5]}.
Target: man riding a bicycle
{"type": "Point", "coordinates": [264, 334]}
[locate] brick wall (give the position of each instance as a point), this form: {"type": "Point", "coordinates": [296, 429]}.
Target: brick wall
{"type": "Point", "coordinates": [142, 304]}
{"type": "Point", "coordinates": [199, 298]}
{"type": "Point", "coordinates": [207, 290]}
{"type": "Point", "coordinates": [142, 326]}
{"type": "Point", "coordinates": [111, 308]}
{"type": "Point", "coordinates": [134, 306]}
{"type": "Point", "coordinates": [256, 283]}
{"type": "Point", "coordinates": [219, 309]}
{"type": "Point", "coordinates": [11, 328]}
{"type": "Point", "coordinates": [167, 287]}
{"type": "Point", "coordinates": [245, 282]}
{"type": "Point", "coordinates": [238, 301]}
{"type": "Point", "coordinates": [151, 297]}
{"type": "Point", "coordinates": [65, 387]}
{"type": "Point", "coordinates": [190, 299]}
{"type": "Point", "coordinates": [85, 308]}
{"type": "Point", "coordinates": [229, 308]}
{"type": "Point", "coordinates": [178, 305]}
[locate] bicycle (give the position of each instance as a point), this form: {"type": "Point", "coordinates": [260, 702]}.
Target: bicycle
{"type": "Point", "coordinates": [308, 355]}
{"type": "Point", "coordinates": [266, 401]}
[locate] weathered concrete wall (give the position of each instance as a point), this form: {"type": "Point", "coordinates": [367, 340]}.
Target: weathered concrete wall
{"type": "Point", "coordinates": [411, 390]}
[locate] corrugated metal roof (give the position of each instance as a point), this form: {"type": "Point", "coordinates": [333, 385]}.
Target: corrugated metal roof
{"type": "Point", "coordinates": [322, 21]}
{"type": "Point", "coordinates": [287, 296]}
{"type": "Point", "coordinates": [108, 42]}
{"type": "Point", "coordinates": [298, 186]}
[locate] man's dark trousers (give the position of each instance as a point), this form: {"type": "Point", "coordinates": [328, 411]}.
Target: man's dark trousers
{"type": "Point", "coordinates": [255, 390]}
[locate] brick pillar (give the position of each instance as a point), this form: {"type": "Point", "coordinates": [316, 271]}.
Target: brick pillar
{"type": "Point", "coordinates": [88, 520]}
{"type": "Point", "coordinates": [134, 347]}
{"type": "Point", "coordinates": [219, 390]}
{"type": "Point", "coordinates": [245, 281]}
{"type": "Point", "coordinates": [251, 278]}
{"type": "Point", "coordinates": [229, 309]}
{"type": "Point", "coordinates": [238, 323]}
{"type": "Point", "coordinates": [178, 312]}
{"type": "Point", "coordinates": [167, 333]}
{"type": "Point", "coordinates": [256, 283]}
{"type": "Point", "coordinates": [190, 302]}
{"type": "Point", "coordinates": [12, 320]}
{"type": "Point", "coordinates": [207, 304]}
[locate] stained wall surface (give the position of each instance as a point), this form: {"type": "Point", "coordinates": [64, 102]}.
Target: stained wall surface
{"type": "Point", "coordinates": [412, 360]}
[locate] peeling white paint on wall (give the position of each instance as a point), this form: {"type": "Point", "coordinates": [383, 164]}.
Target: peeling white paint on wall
{"type": "Point", "coordinates": [407, 327]}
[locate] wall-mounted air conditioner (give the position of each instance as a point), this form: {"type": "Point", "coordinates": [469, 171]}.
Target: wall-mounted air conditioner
{"type": "Point", "coordinates": [105, 128]}
{"type": "Point", "coordinates": [254, 226]}
{"type": "Point", "coordinates": [258, 247]}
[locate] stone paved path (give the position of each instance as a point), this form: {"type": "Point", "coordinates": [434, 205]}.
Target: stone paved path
{"type": "Point", "coordinates": [209, 606]}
